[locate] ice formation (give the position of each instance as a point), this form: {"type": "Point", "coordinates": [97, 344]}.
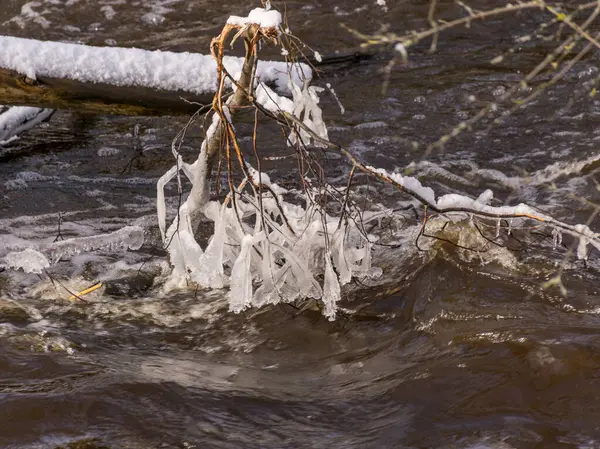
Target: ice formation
{"type": "Point", "coordinates": [28, 260]}
{"type": "Point", "coordinates": [35, 260]}
{"type": "Point", "coordinates": [266, 248]}
{"type": "Point", "coordinates": [268, 245]}
{"type": "Point", "coordinates": [129, 237]}
{"type": "Point", "coordinates": [455, 202]}
{"type": "Point", "coordinates": [270, 249]}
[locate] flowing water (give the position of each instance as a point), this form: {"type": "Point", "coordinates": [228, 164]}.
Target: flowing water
{"type": "Point", "coordinates": [448, 350]}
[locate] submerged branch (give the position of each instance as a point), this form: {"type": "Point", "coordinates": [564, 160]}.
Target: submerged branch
{"type": "Point", "coordinates": [446, 204]}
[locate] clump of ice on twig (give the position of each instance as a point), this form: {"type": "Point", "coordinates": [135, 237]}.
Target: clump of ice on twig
{"type": "Point", "coordinates": [304, 106]}
{"type": "Point", "coordinates": [408, 182]}
{"type": "Point", "coordinates": [28, 260]}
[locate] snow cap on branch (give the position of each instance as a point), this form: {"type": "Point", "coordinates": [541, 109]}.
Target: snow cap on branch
{"type": "Point", "coordinates": [262, 17]}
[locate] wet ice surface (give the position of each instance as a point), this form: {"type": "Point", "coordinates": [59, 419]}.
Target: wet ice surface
{"type": "Point", "coordinates": [446, 353]}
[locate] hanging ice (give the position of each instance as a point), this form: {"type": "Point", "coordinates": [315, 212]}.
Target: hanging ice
{"type": "Point", "coordinates": [331, 290]}
{"type": "Point", "coordinates": [273, 250]}
{"type": "Point", "coordinates": [241, 278]}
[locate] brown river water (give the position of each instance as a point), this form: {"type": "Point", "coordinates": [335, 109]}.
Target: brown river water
{"type": "Point", "coordinates": [448, 350]}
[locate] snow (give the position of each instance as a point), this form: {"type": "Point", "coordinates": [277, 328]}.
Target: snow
{"type": "Point", "coordinates": [271, 101]}
{"type": "Point", "coordinates": [16, 120]}
{"type": "Point", "coordinates": [409, 183]}
{"type": "Point", "coordinates": [163, 70]}
{"type": "Point", "coordinates": [264, 18]}
{"type": "Point", "coordinates": [455, 201]}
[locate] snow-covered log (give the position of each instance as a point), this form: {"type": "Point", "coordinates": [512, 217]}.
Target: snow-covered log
{"type": "Point", "coordinates": [111, 80]}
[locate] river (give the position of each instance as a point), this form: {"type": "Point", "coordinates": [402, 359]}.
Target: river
{"type": "Point", "coordinates": [449, 350]}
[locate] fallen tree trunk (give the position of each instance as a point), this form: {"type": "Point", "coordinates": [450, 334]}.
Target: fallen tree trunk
{"type": "Point", "coordinates": [123, 81]}
{"type": "Point", "coordinates": [98, 98]}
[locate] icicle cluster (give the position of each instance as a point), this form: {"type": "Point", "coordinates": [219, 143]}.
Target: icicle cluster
{"type": "Point", "coordinates": [268, 250]}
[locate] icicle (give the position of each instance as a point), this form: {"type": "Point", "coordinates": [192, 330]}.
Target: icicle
{"type": "Point", "coordinates": [559, 240]}
{"type": "Point", "coordinates": [160, 199]}
{"type": "Point", "coordinates": [497, 228]}
{"type": "Point", "coordinates": [306, 284]}
{"type": "Point", "coordinates": [339, 256]}
{"type": "Point", "coordinates": [331, 290]}
{"type": "Point", "coordinates": [183, 249]}
{"type": "Point", "coordinates": [210, 267]}
{"type": "Point", "coordinates": [306, 108]}
{"type": "Point", "coordinates": [240, 295]}
{"type": "Point", "coordinates": [585, 234]}
{"type": "Point", "coordinates": [269, 273]}
{"type": "Point", "coordinates": [485, 197]}
{"type": "Point", "coordinates": [582, 248]}
{"type": "Point", "coordinates": [556, 237]}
